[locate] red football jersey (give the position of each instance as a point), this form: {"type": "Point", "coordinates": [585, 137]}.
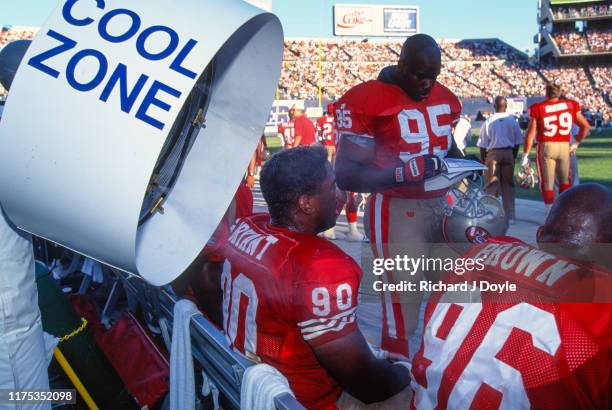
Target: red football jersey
{"type": "Point", "coordinates": [326, 131]}
{"type": "Point", "coordinates": [401, 127]}
{"type": "Point", "coordinates": [555, 119]}
{"type": "Point", "coordinates": [305, 129]}
{"type": "Point", "coordinates": [517, 349]}
{"type": "Point", "coordinates": [287, 130]}
{"type": "Point", "coordinates": [284, 292]}
{"type": "Point", "coordinates": [243, 201]}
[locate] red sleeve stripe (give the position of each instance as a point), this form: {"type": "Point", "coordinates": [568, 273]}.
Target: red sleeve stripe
{"type": "Point", "coordinates": [337, 328]}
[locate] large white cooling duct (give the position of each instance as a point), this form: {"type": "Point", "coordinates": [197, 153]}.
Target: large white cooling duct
{"type": "Point", "coordinates": [130, 123]}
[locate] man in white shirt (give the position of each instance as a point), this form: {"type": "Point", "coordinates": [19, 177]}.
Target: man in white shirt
{"type": "Point", "coordinates": [500, 137]}
{"type": "Point", "coordinates": [462, 132]}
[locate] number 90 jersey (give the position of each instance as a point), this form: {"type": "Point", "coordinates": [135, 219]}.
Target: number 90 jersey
{"type": "Point", "coordinates": [401, 127]}
{"type": "Point", "coordinates": [516, 349]}
{"type": "Point", "coordinates": [555, 119]}
{"type": "Point", "coordinates": [283, 293]}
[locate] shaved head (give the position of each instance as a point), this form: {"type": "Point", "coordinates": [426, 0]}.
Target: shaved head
{"type": "Point", "coordinates": [419, 66]}
{"type": "Point", "coordinates": [418, 45]}
{"type": "Point", "coordinates": [579, 218]}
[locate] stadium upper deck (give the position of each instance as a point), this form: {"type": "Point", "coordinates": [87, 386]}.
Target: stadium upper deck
{"type": "Point", "coordinates": [480, 68]}
{"type": "Point", "coordinates": [575, 30]}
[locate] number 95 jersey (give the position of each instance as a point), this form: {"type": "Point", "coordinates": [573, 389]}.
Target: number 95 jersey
{"type": "Point", "coordinates": [285, 292]}
{"type": "Point", "coordinates": [401, 127]}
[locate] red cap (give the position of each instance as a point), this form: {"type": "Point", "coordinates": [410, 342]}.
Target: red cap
{"type": "Point", "coordinates": [330, 108]}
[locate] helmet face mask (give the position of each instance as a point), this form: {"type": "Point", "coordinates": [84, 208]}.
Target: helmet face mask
{"type": "Point", "coordinates": [470, 215]}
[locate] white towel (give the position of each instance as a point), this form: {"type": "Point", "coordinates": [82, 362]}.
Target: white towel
{"type": "Point", "coordinates": [94, 269]}
{"type": "Point", "coordinates": [182, 382]}
{"type": "Point", "coordinates": [50, 343]}
{"type": "Point", "coordinates": [260, 385]}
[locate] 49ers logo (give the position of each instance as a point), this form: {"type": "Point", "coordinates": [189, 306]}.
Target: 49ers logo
{"type": "Point", "coordinates": [476, 234]}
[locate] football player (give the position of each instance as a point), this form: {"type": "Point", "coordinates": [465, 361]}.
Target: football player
{"type": "Point", "coordinates": [289, 297]}
{"type": "Point", "coordinates": [393, 133]}
{"type": "Point", "coordinates": [203, 276]}
{"type": "Point", "coordinates": [326, 133]}
{"type": "Point", "coordinates": [537, 347]}
{"type": "Point", "coordinates": [286, 129]}
{"type": "Point", "coordinates": [551, 123]}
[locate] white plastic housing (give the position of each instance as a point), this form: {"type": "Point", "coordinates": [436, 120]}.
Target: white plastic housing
{"type": "Point", "coordinates": [74, 169]}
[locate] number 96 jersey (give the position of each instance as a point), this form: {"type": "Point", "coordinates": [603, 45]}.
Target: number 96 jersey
{"type": "Point", "coordinates": [518, 349]}
{"type": "Point", "coordinates": [555, 119]}
{"type": "Point", "coordinates": [401, 127]}
{"type": "Point", "coordinates": [283, 293]}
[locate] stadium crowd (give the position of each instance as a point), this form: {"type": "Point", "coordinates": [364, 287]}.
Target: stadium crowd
{"type": "Point", "coordinates": [572, 42]}
{"type": "Point", "coordinates": [593, 10]}
{"type": "Point", "coordinates": [472, 68]}
{"type": "Point", "coordinates": [600, 41]}
{"type": "Point", "coordinates": [591, 41]}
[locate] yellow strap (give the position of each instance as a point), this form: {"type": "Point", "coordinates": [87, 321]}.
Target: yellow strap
{"type": "Point", "coordinates": [76, 331]}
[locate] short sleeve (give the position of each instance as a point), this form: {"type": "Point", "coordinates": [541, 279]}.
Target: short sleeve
{"type": "Point", "coordinates": [518, 135]}
{"type": "Point", "coordinates": [325, 299]}
{"type": "Point", "coordinates": [349, 122]}
{"type": "Point", "coordinates": [483, 139]}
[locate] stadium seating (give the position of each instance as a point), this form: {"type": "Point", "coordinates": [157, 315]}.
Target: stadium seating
{"type": "Point", "coordinates": [472, 68]}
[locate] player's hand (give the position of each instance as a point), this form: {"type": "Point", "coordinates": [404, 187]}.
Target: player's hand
{"type": "Point", "coordinates": [422, 167]}
{"type": "Point", "coordinates": [525, 162]}
{"type": "Point", "coordinates": [250, 181]}
{"type": "Point", "coordinates": [573, 148]}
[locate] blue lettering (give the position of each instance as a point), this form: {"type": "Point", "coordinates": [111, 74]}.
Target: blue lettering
{"type": "Point", "coordinates": [70, 69]}
{"type": "Point", "coordinates": [176, 64]}
{"type": "Point", "coordinates": [37, 60]}
{"type": "Point", "coordinates": [103, 25]}
{"type": "Point", "coordinates": [174, 39]}
{"type": "Point", "coordinates": [120, 76]}
{"type": "Point", "coordinates": [151, 99]}
{"type": "Point", "coordinates": [67, 13]}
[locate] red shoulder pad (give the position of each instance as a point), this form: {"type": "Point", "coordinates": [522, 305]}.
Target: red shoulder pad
{"type": "Point", "coordinates": [374, 98]}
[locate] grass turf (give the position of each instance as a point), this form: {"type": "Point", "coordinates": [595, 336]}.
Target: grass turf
{"type": "Point", "coordinates": [594, 161]}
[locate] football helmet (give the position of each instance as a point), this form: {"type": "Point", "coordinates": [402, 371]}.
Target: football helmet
{"type": "Point", "coordinates": [471, 215]}
{"type": "Point", "coordinates": [527, 178]}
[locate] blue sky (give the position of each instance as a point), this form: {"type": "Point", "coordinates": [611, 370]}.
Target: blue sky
{"type": "Point", "coordinates": [513, 21]}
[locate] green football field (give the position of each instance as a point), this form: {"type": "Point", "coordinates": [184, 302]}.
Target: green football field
{"type": "Point", "coordinates": [594, 160]}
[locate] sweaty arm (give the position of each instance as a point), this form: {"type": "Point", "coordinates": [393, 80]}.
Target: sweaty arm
{"type": "Point", "coordinates": [355, 170]}
{"type": "Point", "coordinates": [354, 166]}
{"type": "Point", "coordinates": [530, 136]}
{"type": "Point", "coordinates": [325, 302]}
{"type": "Point", "coordinates": [351, 363]}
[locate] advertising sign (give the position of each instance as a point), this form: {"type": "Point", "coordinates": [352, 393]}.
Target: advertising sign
{"type": "Point", "coordinates": [375, 20]}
